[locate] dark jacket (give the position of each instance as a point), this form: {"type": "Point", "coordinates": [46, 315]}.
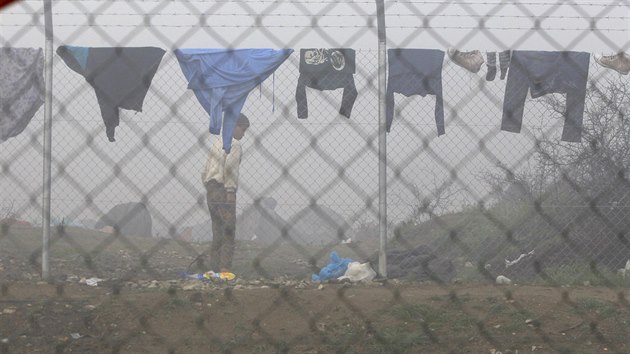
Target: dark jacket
{"type": "Point", "coordinates": [415, 72]}
{"type": "Point", "coordinates": [327, 69]}
{"type": "Point", "coordinates": [120, 77]}
{"type": "Point", "coordinates": [543, 73]}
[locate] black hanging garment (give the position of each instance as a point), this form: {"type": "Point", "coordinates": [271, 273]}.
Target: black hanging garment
{"type": "Point", "coordinates": [120, 77]}
{"type": "Point", "coordinates": [415, 72]}
{"type": "Point", "coordinates": [327, 69]}
{"type": "Point", "coordinates": [542, 73]}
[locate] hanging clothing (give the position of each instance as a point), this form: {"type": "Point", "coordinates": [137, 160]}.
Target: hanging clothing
{"type": "Point", "coordinates": [327, 69]}
{"type": "Point", "coordinates": [120, 77]}
{"type": "Point", "coordinates": [415, 72]}
{"type": "Point", "coordinates": [21, 88]}
{"type": "Point", "coordinates": [543, 73]}
{"type": "Point", "coordinates": [222, 79]}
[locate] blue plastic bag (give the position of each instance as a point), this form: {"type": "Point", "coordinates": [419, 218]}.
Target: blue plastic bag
{"type": "Point", "coordinates": [333, 270]}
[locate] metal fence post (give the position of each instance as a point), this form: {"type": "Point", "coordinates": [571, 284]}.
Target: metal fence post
{"type": "Point", "coordinates": [47, 138]}
{"type": "Point", "coordinates": [382, 140]}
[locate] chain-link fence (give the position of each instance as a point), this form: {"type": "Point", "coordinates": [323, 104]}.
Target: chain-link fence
{"type": "Point", "coordinates": [470, 213]}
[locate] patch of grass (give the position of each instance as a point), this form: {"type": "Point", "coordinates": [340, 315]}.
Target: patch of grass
{"type": "Point", "coordinates": [417, 313]}
{"type": "Point", "coordinates": [580, 274]}
{"type": "Point", "coordinates": [600, 307]}
{"type": "Point", "coordinates": [175, 302]}
{"type": "Point", "coordinates": [470, 275]}
{"type": "Point", "coordinates": [516, 320]}
{"type": "Point", "coordinates": [496, 309]}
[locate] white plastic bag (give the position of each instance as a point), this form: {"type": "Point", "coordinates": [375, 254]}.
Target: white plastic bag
{"type": "Point", "coordinates": [357, 272]}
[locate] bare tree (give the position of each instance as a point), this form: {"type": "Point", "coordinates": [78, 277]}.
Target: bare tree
{"type": "Point", "coordinates": [603, 155]}
{"type": "Point", "coordinates": [430, 198]}
{"type": "Point", "coordinates": [7, 212]}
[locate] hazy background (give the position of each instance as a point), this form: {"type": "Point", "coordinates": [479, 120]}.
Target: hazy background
{"type": "Point", "coordinates": [160, 151]}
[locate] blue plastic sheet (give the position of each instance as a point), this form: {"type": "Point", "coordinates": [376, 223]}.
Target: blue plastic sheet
{"type": "Point", "coordinates": [333, 270]}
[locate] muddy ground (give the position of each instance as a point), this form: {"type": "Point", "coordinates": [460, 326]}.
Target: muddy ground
{"type": "Point", "coordinates": [142, 305]}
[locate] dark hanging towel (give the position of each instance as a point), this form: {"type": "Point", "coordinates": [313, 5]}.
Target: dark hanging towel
{"type": "Point", "coordinates": [21, 88]}
{"type": "Point", "coordinates": [415, 72]}
{"type": "Point", "coordinates": [120, 77]}
{"type": "Point", "coordinates": [543, 73]}
{"type": "Point", "coordinates": [327, 69]}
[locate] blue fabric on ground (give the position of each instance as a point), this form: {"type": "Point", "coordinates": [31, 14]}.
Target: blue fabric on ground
{"type": "Point", "coordinates": [334, 269]}
{"type": "Point", "coordinates": [222, 79]}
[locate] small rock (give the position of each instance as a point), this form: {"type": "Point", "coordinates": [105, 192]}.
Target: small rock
{"type": "Point", "coordinates": [320, 287]}
{"type": "Point", "coordinates": [587, 283]}
{"type": "Point", "coordinates": [153, 284]}
{"type": "Point", "coordinates": [503, 280]}
{"type": "Point", "coordinates": [468, 265]}
{"type": "Point", "coordinates": [8, 310]}
{"type": "Point", "coordinates": [301, 285]}
{"type": "Point", "coordinates": [238, 287]}
{"type": "Point", "coordinates": [89, 307]}
{"type": "Point", "coordinates": [4, 340]}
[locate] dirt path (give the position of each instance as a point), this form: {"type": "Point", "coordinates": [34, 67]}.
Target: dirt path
{"type": "Point", "coordinates": [270, 318]}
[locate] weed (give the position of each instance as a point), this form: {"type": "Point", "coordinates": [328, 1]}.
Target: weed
{"type": "Point", "coordinates": [417, 313]}
{"type": "Point", "coordinates": [600, 307]}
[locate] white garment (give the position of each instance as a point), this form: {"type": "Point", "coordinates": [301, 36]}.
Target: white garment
{"type": "Point", "coordinates": [223, 167]}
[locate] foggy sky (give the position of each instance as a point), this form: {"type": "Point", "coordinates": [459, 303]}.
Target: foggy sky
{"type": "Point", "coordinates": [277, 139]}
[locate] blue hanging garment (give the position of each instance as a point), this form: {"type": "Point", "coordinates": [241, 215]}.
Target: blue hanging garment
{"type": "Point", "coordinates": [121, 77]}
{"type": "Point", "coordinates": [222, 79]}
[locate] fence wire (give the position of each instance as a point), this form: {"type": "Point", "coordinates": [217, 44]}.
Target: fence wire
{"type": "Point", "coordinates": [497, 241]}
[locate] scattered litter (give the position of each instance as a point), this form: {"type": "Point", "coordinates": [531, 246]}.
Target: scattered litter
{"type": "Point", "coordinates": [520, 258]}
{"type": "Point", "coordinates": [625, 272]}
{"type": "Point", "coordinates": [4, 340]}
{"type": "Point", "coordinates": [320, 287]}
{"type": "Point", "coordinates": [468, 265]}
{"type": "Point", "coordinates": [503, 280]}
{"type": "Point", "coordinates": [210, 275]}
{"type": "Point", "coordinates": [357, 272]}
{"type": "Point", "coordinates": [93, 281]}
{"type": "Point", "coordinates": [75, 335]}
{"type": "Point", "coordinates": [349, 240]}
{"type": "Point", "coordinates": [9, 310]}
{"type": "Point", "coordinates": [335, 268]}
